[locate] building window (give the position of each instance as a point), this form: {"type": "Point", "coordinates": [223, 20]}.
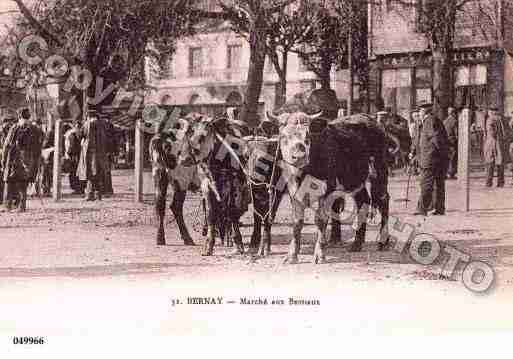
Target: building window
{"type": "Point", "coordinates": [470, 86]}
{"type": "Point", "coordinates": [396, 90]}
{"type": "Point", "coordinates": [195, 61]}
{"type": "Point", "coordinates": [423, 84]}
{"type": "Point", "coordinates": [234, 56]}
{"type": "Point", "coordinates": [473, 75]}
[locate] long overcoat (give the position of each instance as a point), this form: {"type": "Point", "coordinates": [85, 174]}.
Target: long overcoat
{"type": "Point", "coordinates": [93, 153]}
{"type": "Point", "coordinates": [21, 153]}
{"type": "Point", "coordinates": [496, 144]}
{"type": "Point", "coordinates": [433, 144]}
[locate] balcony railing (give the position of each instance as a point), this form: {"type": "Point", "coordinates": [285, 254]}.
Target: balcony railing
{"type": "Point", "coordinates": [220, 75]}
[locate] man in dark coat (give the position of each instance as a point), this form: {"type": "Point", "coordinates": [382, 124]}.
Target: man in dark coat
{"type": "Point", "coordinates": [72, 150]}
{"type": "Point", "coordinates": [111, 149]}
{"type": "Point", "coordinates": [47, 162]}
{"type": "Point", "coordinates": [91, 167]}
{"type": "Point", "coordinates": [20, 160]}
{"type": "Point", "coordinates": [433, 161]}
{"type": "Point", "coordinates": [451, 127]}
{"type": "Point", "coordinates": [8, 121]}
{"type": "Point", "coordinates": [496, 152]}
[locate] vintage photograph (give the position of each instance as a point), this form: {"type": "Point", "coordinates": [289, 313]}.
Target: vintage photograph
{"type": "Point", "coordinates": [245, 168]}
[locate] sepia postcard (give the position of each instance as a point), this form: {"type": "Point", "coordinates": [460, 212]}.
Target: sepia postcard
{"type": "Point", "coordinates": [284, 178]}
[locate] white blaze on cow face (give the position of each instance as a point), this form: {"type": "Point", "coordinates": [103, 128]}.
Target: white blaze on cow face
{"type": "Point", "coordinates": [198, 143]}
{"type": "Point", "coordinates": [295, 140]}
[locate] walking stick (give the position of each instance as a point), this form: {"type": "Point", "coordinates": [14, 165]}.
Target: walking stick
{"type": "Point", "coordinates": [408, 183]}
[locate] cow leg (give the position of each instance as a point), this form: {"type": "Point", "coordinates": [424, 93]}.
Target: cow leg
{"type": "Point", "coordinates": [265, 243]}
{"type": "Point", "coordinates": [208, 245]}
{"type": "Point", "coordinates": [22, 193]}
{"type": "Point", "coordinates": [384, 237]}
{"type": "Point", "coordinates": [177, 209]}
{"type": "Point", "coordinates": [205, 220]}
{"type": "Point", "coordinates": [160, 181]}
{"type": "Point", "coordinates": [362, 201]}
{"type": "Point", "coordinates": [336, 232]}
{"type": "Point", "coordinates": [321, 221]}
{"type": "Point", "coordinates": [237, 237]}
{"type": "Point", "coordinates": [295, 243]}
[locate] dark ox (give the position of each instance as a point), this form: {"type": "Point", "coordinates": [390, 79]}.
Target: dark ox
{"type": "Point", "coordinates": [223, 181]}
{"type": "Point", "coordinates": [165, 148]}
{"type": "Point", "coordinates": [338, 153]}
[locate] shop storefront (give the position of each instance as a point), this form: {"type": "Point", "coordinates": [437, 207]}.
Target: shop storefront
{"type": "Point", "coordinates": [405, 80]}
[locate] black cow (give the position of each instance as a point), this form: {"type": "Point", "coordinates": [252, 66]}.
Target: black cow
{"type": "Point", "coordinates": [340, 155]}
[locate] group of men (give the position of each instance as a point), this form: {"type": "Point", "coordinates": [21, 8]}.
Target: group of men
{"type": "Point", "coordinates": [27, 154]}
{"type": "Point", "coordinates": [435, 147]}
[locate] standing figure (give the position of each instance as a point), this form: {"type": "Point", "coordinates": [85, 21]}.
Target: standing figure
{"type": "Point", "coordinates": [495, 147]}
{"type": "Point", "coordinates": [91, 166]}
{"type": "Point", "coordinates": [46, 169]}
{"type": "Point", "coordinates": [8, 121]}
{"type": "Point", "coordinates": [20, 160]}
{"type": "Point", "coordinates": [433, 161]}
{"type": "Point", "coordinates": [111, 149]}
{"type": "Point", "coordinates": [451, 127]}
{"type": "Point", "coordinates": [72, 149]}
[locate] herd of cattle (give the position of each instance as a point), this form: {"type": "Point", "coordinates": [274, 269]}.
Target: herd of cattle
{"type": "Point", "coordinates": [233, 167]}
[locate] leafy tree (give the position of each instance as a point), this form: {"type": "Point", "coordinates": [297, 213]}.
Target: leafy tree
{"type": "Point", "coordinates": [249, 18]}
{"type": "Point", "coordinates": [288, 29]}
{"type": "Point", "coordinates": [112, 38]}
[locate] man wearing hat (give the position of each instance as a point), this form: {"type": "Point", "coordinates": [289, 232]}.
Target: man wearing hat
{"type": "Point", "coordinates": [8, 121]}
{"type": "Point", "coordinates": [495, 147]}
{"type": "Point", "coordinates": [91, 166]}
{"type": "Point", "coordinates": [21, 153]}
{"type": "Point", "coordinates": [72, 150]}
{"type": "Point", "coordinates": [433, 161]}
{"type": "Point", "coordinates": [451, 127]}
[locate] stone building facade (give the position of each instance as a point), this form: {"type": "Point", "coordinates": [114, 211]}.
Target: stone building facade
{"type": "Point", "coordinates": [400, 63]}
{"type": "Point", "coordinates": [210, 69]}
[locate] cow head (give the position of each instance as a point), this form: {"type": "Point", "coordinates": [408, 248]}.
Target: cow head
{"type": "Point", "coordinates": [199, 142]}
{"type": "Point", "coordinates": [295, 137]}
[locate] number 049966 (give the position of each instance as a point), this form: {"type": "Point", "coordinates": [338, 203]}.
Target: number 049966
{"type": "Point", "coordinates": [28, 340]}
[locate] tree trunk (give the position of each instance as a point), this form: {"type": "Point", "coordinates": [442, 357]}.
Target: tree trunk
{"type": "Point", "coordinates": [441, 82]}
{"type": "Point", "coordinates": [281, 90]}
{"type": "Point", "coordinates": [324, 76]}
{"type": "Point", "coordinates": [255, 77]}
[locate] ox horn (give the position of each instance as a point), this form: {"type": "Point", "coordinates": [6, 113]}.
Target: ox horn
{"type": "Point", "coordinates": [315, 115]}
{"type": "Point", "coordinates": [271, 117]}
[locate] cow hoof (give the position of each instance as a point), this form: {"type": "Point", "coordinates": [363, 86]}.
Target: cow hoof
{"type": "Point", "coordinates": [382, 247]}
{"type": "Point", "coordinates": [291, 260]}
{"type": "Point", "coordinates": [206, 254]}
{"type": "Point", "coordinates": [189, 242]}
{"type": "Point", "coordinates": [161, 241]}
{"type": "Point", "coordinates": [356, 247]}
{"type": "Point", "coordinates": [319, 259]}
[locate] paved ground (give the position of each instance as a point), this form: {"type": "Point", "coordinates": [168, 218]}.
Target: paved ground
{"type": "Point", "coordinates": [79, 268]}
